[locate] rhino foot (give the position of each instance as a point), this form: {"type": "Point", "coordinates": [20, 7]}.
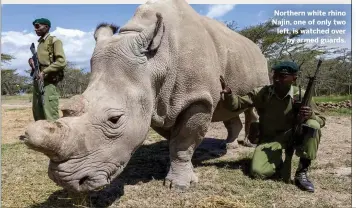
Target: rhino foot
{"type": "Point", "coordinates": [181, 177]}
{"type": "Point", "coordinates": [229, 145]}
{"type": "Point", "coordinates": [232, 145]}
{"type": "Point", "coordinates": [247, 143]}
{"type": "Point", "coordinates": [186, 136]}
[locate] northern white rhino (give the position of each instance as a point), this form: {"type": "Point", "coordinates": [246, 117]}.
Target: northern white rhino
{"type": "Point", "coordinates": [162, 71]}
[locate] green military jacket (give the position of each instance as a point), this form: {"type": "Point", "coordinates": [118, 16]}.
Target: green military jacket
{"type": "Point", "coordinates": [275, 114]}
{"type": "Point", "coordinates": [59, 60]}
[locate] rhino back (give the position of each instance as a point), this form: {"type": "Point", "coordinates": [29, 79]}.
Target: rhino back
{"type": "Point", "coordinates": [241, 61]}
{"type": "Point", "coordinates": [207, 49]}
{"type": "Point", "coordinates": [194, 52]}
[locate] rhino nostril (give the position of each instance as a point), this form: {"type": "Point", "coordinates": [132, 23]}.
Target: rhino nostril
{"type": "Point", "coordinates": [51, 130]}
{"type": "Point", "coordinates": [23, 137]}
{"type": "Point", "coordinates": [81, 181]}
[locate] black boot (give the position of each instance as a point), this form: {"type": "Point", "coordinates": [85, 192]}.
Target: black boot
{"type": "Point", "coordinates": [301, 178]}
{"type": "Point", "coordinates": [278, 174]}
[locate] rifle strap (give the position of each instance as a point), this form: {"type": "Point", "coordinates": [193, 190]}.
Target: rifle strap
{"type": "Point", "coordinates": [300, 94]}
{"type": "Point", "coordinates": [50, 49]}
{"type": "Point", "coordinates": [297, 96]}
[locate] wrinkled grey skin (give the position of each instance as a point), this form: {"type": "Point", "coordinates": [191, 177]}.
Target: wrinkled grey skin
{"type": "Point", "coordinates": [161, 71]}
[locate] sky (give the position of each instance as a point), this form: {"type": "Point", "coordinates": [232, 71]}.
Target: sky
{"type": "Point", "coordinates": [75, 24]}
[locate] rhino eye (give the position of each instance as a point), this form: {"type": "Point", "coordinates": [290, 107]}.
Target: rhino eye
{"type": "Point", "coordinates": [114, 119]}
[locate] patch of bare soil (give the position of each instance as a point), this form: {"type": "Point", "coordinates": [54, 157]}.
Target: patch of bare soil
{"type": "Point", "coordinates": [13, 123]}
{"type": "Point", "coordinates": [335, 146]}
{"type": "Point", "coordinates": [16, 115]}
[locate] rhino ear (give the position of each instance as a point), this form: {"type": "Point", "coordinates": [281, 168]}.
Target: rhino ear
{"type": "Point", "coordinates": [104, 31]}
{"type": "Point", "coordinates": [153, 35]}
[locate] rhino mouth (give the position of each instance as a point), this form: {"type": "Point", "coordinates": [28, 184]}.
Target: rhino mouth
{"type": "Point", "coordinates": [84, 180]}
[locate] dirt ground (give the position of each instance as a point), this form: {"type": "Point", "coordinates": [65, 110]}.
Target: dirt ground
{"type": "Point", "coordinates": [331, 171]}
{"type": "Point", "coordinates": [15, 116]}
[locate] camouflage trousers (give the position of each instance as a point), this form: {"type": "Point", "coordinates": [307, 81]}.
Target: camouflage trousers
{"type": "Point", "coordinates": [267, 157]}
{"type": "Point", "coordinates": [51, 102]}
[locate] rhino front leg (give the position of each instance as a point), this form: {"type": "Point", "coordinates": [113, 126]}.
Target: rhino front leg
{"type": "Point", "coordinates": [186, 136]}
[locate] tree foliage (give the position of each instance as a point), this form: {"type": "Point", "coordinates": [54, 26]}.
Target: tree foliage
{"type": "Point", "coordinates": [335, 72]}
{"type": "Point", "coordinates": [6, 58]}
{"type": "Point", "coordinates": [12, 82]}
{"type": "Point", "coordinates": [75, 81]}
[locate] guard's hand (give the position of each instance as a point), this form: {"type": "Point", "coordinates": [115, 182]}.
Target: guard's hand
{"type": "Point", "coordinates": [305, 112]}
{"type": "Point", "coordinates": [31, 63]}
{"type": "Point", "coordinates": [225, 88]}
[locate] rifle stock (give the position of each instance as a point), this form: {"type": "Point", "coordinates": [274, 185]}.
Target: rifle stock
{"type": "Point", "coordinates": [36, 73]}
{"type": "Point", "coordinates": [299, 125]}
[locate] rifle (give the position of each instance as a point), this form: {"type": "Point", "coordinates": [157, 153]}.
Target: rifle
{"type": "Point", "coordinates": [36, 73]}
{"type": "Point", "coordinates": [299, 127]}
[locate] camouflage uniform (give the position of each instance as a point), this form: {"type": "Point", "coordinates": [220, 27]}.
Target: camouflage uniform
{"type": "Point", "coordinates": [52, 63]}
{"type": "Point", "coordinates": [275, 127]}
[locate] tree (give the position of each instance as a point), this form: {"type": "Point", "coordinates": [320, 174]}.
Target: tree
{"type": "Point", "coordinates": [5, 58]}
{"type": "Point", "coordinates": [335, 70]}
{"type": "Point", "coordinates": [265, 35]}
{"type": "Point", "coordinates": [12, 82]}
{"type": "Point", "coordinates": [75, 81]}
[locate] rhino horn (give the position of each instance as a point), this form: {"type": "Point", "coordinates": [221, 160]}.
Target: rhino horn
{"type": "Point", "coordinates": [45, 137]}
{"type": "Point", "coordinates": [75, 107]}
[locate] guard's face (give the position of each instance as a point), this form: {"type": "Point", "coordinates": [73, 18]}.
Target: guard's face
{"type": "Point", "coordinates": [283, 80]}
{"type": "Point", "coordinates": [41, 29]}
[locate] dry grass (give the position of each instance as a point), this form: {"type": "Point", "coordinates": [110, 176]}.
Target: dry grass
{"type": "Point", "coordinates": [16, 113]}
{"type": "Point", "coordinates": [13, 122]}
{"type": "Point", "coordinates": [223, 178]}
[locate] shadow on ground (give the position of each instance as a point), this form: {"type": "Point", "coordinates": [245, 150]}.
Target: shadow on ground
{"type": "Point", "coordinates": [149, 162]}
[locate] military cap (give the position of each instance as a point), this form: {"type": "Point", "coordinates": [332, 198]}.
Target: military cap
{"type": "Point", "coordinates": [42, 21]}
{"type": "Point", "coordinates": [289, 67]}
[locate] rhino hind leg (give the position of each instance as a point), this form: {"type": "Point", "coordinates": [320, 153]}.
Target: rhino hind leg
{"type": "Point", "coordinates": [233, 127]}
{"type": "Point", "coordinates": [185, 137]}
{"type": "Point", "coordinates": [250, 116]}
